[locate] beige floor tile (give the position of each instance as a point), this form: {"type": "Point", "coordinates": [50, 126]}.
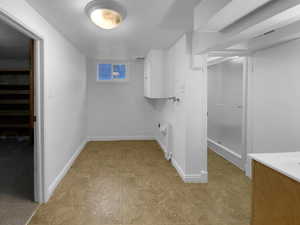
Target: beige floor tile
{"type": "Point", "coordinates": [130, 183]}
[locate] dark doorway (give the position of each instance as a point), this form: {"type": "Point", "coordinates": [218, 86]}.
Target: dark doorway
{"type": "Point", "coordinates": [16, 126]}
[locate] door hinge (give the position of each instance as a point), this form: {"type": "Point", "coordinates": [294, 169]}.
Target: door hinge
{"type": "Point", "coordinates": [34, 118]}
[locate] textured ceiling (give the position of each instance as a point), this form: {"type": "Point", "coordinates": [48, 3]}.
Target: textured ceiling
{"type": "Point", "coordinates": [13, 44]}
{"type": "Point", "coordinates": [149, 24]}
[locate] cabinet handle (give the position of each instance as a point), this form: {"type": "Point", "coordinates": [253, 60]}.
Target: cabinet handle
{"type": "Point", "coordinates": [174, 99]}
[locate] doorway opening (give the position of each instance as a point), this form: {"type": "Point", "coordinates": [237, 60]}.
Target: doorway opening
{"type": "Point", "coordinates": [21, 133]}
{"type": "Point", "coordinates": [226, 106]}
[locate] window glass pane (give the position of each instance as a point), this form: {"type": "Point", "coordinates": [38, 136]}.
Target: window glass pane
{"type": "Point", "coordinates": [108, 72]}
{"type": "Point", "coordinates": [105, 72]}
{"type": "Point", "coordinates": [119, 71]}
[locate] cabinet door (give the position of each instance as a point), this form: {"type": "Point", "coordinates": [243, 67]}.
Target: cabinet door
{"type": "Point", "coordinates": [154, 75]}
{"type": "Point", "coordinates": [147, 78]}
{"type": "Point", "coordinates": [170, 73]}
{"type": "Point", "coordinates": [275, 197]}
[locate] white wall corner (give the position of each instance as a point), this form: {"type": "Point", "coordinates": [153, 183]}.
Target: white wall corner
{"type": "Point", "coordinates": [202, 177]}
{"type": "Point", "coordinates": [64, 171]}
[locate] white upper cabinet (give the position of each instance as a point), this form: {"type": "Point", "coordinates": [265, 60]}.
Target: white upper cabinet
{"type": "Point", "coordinates": [154, 76]}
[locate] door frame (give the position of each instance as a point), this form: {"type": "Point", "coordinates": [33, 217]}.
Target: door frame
{"type": "Point", "coordinates": [39, 125]}
{"type": "Point", "coordinates": [246, 63]}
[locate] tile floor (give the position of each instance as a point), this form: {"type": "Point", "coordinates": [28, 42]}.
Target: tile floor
{"type": "Point", "coordinates": [130, 182]}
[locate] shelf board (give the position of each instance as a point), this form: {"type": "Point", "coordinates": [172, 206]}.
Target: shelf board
{"type": "Point", "coordinates": [14, 86]}
{"type": "Point", "coordinates": [16, 72]}
{"type": "Point", "coordinates": [14, 113]}
{"type": "Point", "coordinates": [14, 102]}
{"type": "Point", "coordinates": [14, 92]}
{"type": "Point", "coordinates": [14, 125]}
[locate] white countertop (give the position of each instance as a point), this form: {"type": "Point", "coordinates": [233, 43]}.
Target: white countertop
{"type": "Point", "coordinates": [287, 163]}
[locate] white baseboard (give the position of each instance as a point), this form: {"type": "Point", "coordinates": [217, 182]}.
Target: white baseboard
{"type": "Point", "coordinates": [164, 149]}
{"type": "Point", "coordinates": [248, 167]}
{"type": "Point", "coordinates": [162, 146]}
{"type": "Point", "coordinates": [226, 153]}
{"type": "Point", "coordinates": [64, 171]}
{"type": "Point", "coordinates": [121, 138]}
{"type": "Point", "coordinates": [190, 178]}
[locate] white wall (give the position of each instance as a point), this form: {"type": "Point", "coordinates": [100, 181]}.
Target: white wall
{"type": "Point", "coordinates": [274, 106]}
{"type": "Point", "coordinates": [189, 149]}
{"type": "Point", "coordinates": [65, 91]}
{"type": "Point", "coordinates": [118, 110]}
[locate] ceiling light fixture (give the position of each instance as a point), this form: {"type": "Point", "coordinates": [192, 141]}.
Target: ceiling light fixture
{"type": "Point", "coordinates": [106, 14]}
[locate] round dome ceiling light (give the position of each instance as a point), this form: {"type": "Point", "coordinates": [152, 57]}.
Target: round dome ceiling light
{"type": "Point", "coordinates": [107, 14]}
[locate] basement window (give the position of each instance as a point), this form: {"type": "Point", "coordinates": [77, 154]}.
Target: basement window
{"type": "Point", "coordinates": [112, 72]}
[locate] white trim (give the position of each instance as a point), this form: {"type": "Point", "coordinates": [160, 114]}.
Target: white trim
{"type": "Point", "coordinates": [248, 167]}
{"type": "Point", "coordinates": [163, 148]}
{"type": "Point", "coordinates": [226, 153]}
{"type": "Point", "coordinates": [39, 125]}
{"type": "Point", "coordinates": [65, 170]}
{"type": "Point", "coordinates": [178, 168]}
{"type": "Point", "coordinates": [121, 138]}
{"type": "Point", "coordinates": [190, 178]}
{"type": "Point", "coordinates": [201, 178]}
{"type": "Point", "coordinates": [250, 110]}
{"type": "Point", "coordinates": [204, 118]}
{"type": "Point", "coordinates": [35, 211]}
{"type": "Point", "coordinates": [245, 112]}
{"type": "Point", "coordinates": [225, 59]}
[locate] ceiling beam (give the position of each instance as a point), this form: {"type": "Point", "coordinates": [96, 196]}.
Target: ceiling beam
{"type": "Point", "coordinates": [205, 10]}
{"type": "Point", "coordinates": [287, 33]}
{"type": "Point", "coordinates": [232, 12]}
{"type": "Point", "coordinates": [272, 16]}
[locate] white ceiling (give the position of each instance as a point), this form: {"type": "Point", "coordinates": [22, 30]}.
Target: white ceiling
{"type": "Point", "coordinates": [13, 44]}
{"type": "Point", "coordinates": [149, 24]}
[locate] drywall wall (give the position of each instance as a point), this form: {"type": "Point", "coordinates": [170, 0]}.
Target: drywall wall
{"type": "Point", "coordinates": [64, 92]}
{"type": "Point", "coordinates": [174, 113]}
{"type": "Point", "coordinates": [188, 140]}
{"type": "Point", "coordinates": [118, 110]}
{"type": "Point", "coordinates": [274, 107]}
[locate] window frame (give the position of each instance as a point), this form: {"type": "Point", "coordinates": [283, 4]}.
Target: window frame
{"type": "Point", "coordinates": [127, 66]}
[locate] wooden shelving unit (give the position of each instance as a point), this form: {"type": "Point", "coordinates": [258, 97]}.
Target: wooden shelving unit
{"type": "Point", "coordinates": [17, 99]}
{"type": "Point", "coordinates": [15, 103]}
